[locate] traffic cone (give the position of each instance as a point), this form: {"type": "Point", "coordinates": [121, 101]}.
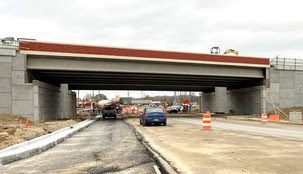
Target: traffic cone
{"type": "Point", "coordinates": [26, 125]}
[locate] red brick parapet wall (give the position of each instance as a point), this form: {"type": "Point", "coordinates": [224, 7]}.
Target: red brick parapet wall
{"type": "Point", "coordinates": [96, 50]}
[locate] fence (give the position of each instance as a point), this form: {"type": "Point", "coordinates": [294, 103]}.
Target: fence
{"type": "Point", "coordinates": [287, 63]}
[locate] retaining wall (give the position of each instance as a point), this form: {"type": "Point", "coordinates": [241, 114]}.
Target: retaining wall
{"type": "Point", "coordinates": [286, 88]}
{"type": "Point", "coordinates": [37, 101]}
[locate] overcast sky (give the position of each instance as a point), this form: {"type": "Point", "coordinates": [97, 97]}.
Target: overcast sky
{"type": "Point", "coordinates": [262, 28]}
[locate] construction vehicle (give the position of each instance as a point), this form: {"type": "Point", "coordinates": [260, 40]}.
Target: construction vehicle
{"type": "Point", "coordinates": [215, 50]}
{"type": "Point", "coordinates": [110, 108]}
{"type": "Point", "coordinates": [231, 51]}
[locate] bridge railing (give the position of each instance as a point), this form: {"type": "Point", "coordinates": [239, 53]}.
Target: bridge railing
{"type": "Point", "coordinates": [12, 45]}
{"type": "Point", "coordinates": [287, 63]}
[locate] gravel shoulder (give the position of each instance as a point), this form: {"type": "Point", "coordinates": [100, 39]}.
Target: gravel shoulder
{"type": "Point", "coordinates": [193, 150]}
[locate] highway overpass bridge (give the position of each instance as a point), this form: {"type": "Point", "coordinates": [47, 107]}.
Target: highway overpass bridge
{"type": "Point", "coordinates": [93, 67]}
{"type": "Point", "coordinates": [38, 76]}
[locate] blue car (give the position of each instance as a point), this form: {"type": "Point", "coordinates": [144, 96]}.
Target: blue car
{"type": "Point", "coordinates": [153, 115]}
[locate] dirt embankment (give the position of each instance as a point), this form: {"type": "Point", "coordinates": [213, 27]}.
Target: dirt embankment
{"type": "Point", "coordinates": [286, 111]}
{"type": "Point", "coordinates": [13, 131]}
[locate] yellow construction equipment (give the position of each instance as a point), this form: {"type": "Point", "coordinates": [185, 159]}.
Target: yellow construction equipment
{"type": "Point", "coordinates": [231, 51]}
{"type": "Point", "coordinates": [215, 50]}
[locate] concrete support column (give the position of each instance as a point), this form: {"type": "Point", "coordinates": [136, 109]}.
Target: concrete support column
{"type": "Point", "coordinates": [263, 100]}
{"type": "Point", "coordinates": [220, 100]}
{"type": "Point", "coordinates": [67, 102]}
{"type": "Point", "coordinates": [200, 102]}
{"type": "Point", "coordinates": [215, 101]}
{"type": "Point", "coordinates": [189, 101]}
{"type": "Point", "coordinates": [207, 100]}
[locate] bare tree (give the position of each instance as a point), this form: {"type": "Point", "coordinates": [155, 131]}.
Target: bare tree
{"type": "Point", "coordinates": [100, 97]}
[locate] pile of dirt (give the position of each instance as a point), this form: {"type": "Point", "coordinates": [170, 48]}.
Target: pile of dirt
{"type": "Point", "coordinates": [13, 131]}
{"type": "Point", "coordinates": [286, 111]}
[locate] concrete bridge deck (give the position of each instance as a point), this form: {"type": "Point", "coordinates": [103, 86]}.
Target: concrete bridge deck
{"type": "Point", "coordinates": [95, 67]}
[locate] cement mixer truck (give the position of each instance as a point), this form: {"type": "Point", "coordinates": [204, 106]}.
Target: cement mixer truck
{"type": "Point", "coordinates": [110, 108]}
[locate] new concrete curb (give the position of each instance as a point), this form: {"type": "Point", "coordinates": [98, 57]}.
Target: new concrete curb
{"type": "Point", "coordinates": [41, 144]}
{"type": "Point", "coordinates": [165, 167]}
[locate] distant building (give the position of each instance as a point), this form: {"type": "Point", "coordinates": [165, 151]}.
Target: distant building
{"type": "Point", "coordinates": [126, 100]}
{"type": "Point", "coordinates": [156, 102]}
{"type": "Point", "coordinates": [141, 102]}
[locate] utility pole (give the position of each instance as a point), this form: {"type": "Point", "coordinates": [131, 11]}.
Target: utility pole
{"type": "Point", "coordinates": [93, 95]}
{"type": "Point", "coordinates": [189, 109]}
{"type": "Point", "coordinates": [78, 99]}
{"type": "Point", "coordinates": [175, 101]}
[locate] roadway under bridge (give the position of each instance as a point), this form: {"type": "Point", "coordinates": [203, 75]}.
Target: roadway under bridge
{"type": "Point", "coordinates": [46, 72]}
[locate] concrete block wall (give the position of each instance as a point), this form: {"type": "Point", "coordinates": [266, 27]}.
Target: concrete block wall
{"type": "Point", "coordinates": [286, 88]}
{"type": "Point", "coordinates": [247, 101]}
{"type": "Point", "coordinates": [220, 100]}
{"type": "Point", "coordinates": [47, 99]}
{"type": "Point", "coordinates": [6, 57]}
{"type": "Point", "coordinates": [207, 102]}
{"type": "Point", "coordinates": [215, 101]}
{"type": "Point", "coordinates": [37, 101]}
{"type": "Point", "coordinates": [22, 92]}
{"type": "Point", "coordinates": [67, 101]}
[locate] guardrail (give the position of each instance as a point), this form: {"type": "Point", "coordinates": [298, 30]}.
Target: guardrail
{"type": "Point", "coordinates": [11, 46]}
{"type": "Point", "coordinates": [287, 63]}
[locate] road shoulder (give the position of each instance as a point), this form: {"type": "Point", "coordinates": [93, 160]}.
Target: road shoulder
{"type": "Point", "coordinates": [166, 166]}
{"type": "Point", "coordinates": [190, 149]}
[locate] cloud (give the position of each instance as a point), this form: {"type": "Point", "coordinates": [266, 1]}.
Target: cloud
{"type": "Point", "coordinates": [254, 28]}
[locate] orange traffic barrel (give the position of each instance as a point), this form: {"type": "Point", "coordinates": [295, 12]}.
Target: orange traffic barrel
{"type": "Point", "coordinates": [206, 121]}
{"type": "Point", "coordinates": [264, 118]}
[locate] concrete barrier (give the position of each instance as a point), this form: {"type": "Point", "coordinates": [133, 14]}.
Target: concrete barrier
{"type": "Point", "coordinates": [295, 117]}
{"type": "Point", "coordinates": [40, 144]}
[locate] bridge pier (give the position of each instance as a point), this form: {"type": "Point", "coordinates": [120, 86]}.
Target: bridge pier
{"type": "Point", "coordinates": [21, 95]}
{"type": "Point", "coordinates": [215, 101]}
{"type": "Point", "coordinates": [247, 101]}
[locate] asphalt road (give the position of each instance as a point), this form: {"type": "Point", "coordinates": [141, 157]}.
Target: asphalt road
{"type": "Point", "coordinates": [107, 146]}
{"type": "Point", "coordinates": [269, 129]}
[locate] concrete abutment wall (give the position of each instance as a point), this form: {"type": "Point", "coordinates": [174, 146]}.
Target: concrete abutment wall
{"type": "Point", "coordinates": [37, 101]}
{"type": "Point", "coordinates": [247, 101]}
{"type": "Point", "coordinates": [286, 89]}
